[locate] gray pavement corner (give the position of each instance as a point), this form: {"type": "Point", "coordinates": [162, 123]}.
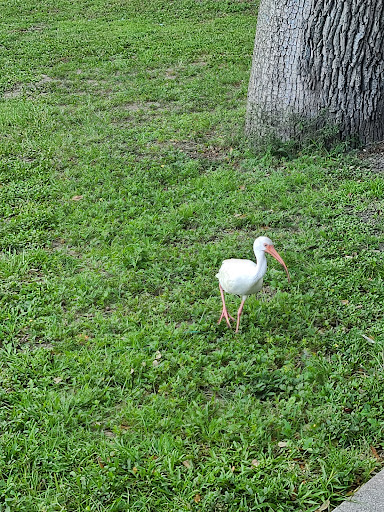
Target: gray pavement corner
{"type": "Point", "coordinates": [369, 498]}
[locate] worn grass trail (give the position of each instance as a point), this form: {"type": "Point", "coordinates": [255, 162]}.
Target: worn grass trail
{"type": "Point", "coordinates": [124, 183]}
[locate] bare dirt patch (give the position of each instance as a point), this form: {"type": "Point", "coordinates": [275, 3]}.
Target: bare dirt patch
{"type": "Point", "coordinates": [373, 156]}
{"type": "Point", "coordinates": [372, 214]}
{"type": "Point", "coordinates": [32, 28]}
{"type": "Point", "coordinates": [28, 89]}
{"type": "Point", "coordinates": [136, 106]}
{"type": "Point", "coordinates": [267, 293]}
{"type": "Point", "coordinates": [60, 245]}
{"type": "Point", "coordinates": [13, 93]}
{"type": "Point", "coordinates": [195, 150]}
{"type": "Point", "coordinates": [199, 63]}
{"type": "Point", "coordinates": [45, 79]}
{"type": "Point", "coordinates": [170, 74]}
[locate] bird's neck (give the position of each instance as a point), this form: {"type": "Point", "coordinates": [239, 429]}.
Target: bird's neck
{"type": "Point", "coordinates": [261, 264]}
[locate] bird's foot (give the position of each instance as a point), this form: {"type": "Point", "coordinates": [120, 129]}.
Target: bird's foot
{"type": "Point", "coordinates": [227, 316]}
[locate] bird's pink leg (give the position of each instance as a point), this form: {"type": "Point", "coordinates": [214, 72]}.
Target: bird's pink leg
{"type": "Point", "coordinates": [224, 313]}
{"type": "Point", "coordinates": [239, 314]}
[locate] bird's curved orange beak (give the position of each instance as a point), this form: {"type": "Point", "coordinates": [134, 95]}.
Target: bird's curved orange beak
{"type": "Point", "coordinates": [272, 251]}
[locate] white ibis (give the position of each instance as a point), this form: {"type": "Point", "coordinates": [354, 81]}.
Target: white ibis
{"type": "Point", "coordinates": [245, 277]}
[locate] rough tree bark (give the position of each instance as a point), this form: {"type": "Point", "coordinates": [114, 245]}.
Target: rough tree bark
{"type": "Point", "coordinates": [318, 63]}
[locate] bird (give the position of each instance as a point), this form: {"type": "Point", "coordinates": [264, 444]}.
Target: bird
{"type": "Point", "coordinates": [245, 277]}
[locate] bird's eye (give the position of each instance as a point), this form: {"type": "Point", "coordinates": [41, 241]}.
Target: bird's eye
{"type": "Point", "coordinates": [265, 245]}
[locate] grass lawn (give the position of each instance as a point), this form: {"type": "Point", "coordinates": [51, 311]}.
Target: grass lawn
{"type": "Point", "coordinates": [124, 182]}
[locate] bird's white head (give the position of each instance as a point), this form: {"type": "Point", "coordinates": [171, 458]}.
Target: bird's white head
{"type": "Point", "coordinates": [265, 244]}
{"type": "Point", "coordinates": [261, 243]}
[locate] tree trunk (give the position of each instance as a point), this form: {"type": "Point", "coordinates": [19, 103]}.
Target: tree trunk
{"type": "Point", "coordinates": [318, 63]}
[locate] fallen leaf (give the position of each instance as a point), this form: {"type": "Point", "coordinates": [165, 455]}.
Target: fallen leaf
{"type": "Point", "coordinates": [255, 463]}
{"type": "Point", "coordinates": [324, 506]}
{"type": "Point", "coordinates": [187, 464]}
{"type": "Point", "coordinates": [132, 371]}
{"type": "Point", "coordinates": [158, 355]}
{"type": "Point", "coordinates": [155, 363]}
{"type": "Point", "coordinates": [240, 215]}
{"type": "Point", "coordinates": [197, 498]}
{"type": "Point", "coordinates": [83, 336]}
{"type": "Point", "coordinates": [57, 380]}
{"type": "Point", "coordinates": [77, 198]}
{"type": "Point", "coordinates": [134, 469]}
{"type": "Point", "coordinates": [374, 453]}
{"type": "Point", "coordinates": [282, 444]}
{"type": "Point", "coordinates": [242, 187]}
{"type": "Point", "coordinates": [100, 462]}
{"type": "Point", "coordinates": [109, 433]}
{"type": "Point", "coordinates": [233, 469]}
{"type": "Point", "coordinates": [345, 302]}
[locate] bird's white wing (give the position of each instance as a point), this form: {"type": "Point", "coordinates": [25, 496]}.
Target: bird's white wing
{"type": "Point", "coordinates": [239, 277]}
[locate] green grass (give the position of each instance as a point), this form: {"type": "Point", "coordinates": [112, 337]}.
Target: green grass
{"type": "Point", "coordinates": [119, 392]}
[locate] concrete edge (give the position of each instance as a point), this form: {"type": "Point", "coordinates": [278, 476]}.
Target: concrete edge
{"type": "Point", "coordinates": [369, 498]}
